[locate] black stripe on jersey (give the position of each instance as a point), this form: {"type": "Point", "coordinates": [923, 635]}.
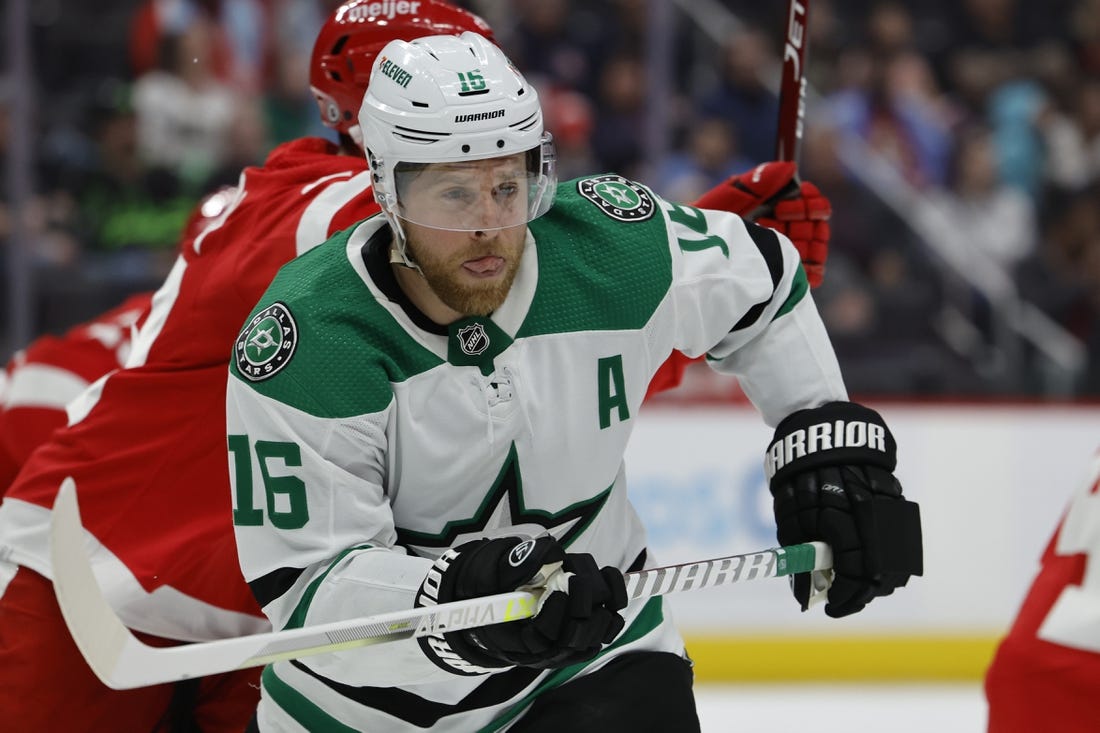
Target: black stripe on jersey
{"type": "Point", "coordinates": [298, 618]}
{"type": "Point", "coordinates": [413, 709]}
{"type": "Point", "coordinates": [273, 585]}
{"type": "Point", "coordinates": [768, 243]}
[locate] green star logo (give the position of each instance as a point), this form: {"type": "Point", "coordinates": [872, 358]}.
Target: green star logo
{"type": "Point", "coordinates": [504, 505]}
{"type": "Point", "coordinates": [618, 197]}
{"type": "Point", "coordinates": [266, 343]}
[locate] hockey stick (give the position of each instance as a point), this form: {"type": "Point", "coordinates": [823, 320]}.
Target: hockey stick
{"type": "Point", "coordinates": [792, 102]}
{"type": "Point", "coordinates": [792, 85]}
{"type": "Point", "coordinates": [122, 661]}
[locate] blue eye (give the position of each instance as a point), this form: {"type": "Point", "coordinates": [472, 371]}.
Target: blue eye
{"type": "Point", "coordinates": [458, 195]}
{"type": "Point", "coordinates": [506, 190]}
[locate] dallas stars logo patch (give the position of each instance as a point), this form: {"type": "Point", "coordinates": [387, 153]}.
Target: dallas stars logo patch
{"type": "Point", "coordinates": [266, 343]}
{"type": "Point", "coordinates": [618, 197]}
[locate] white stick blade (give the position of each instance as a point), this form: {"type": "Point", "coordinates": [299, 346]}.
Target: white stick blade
{"type": "Point", "coordinates": [118, 658]}
{"type": "Point", "coordinates": [122, 661]}
{"type": "Point", "coordinates": [95, 628]}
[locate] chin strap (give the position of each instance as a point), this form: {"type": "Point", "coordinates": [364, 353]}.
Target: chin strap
{"type": "Point", "coordinates": [387, 201]}
{"type": "Point", "coordinates": [398, 257]}
{"type": "Point", "coordinates": [399, 251]}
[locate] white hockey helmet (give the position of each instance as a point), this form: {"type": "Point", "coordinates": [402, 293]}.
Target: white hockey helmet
{"type": "Point", "coordinates": [456, 100]}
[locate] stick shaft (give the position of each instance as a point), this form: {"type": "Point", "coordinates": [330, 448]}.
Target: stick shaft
{"type": "Point", "coordinates": [122, 661]}
{"type": "Point", "coordinates": [775, 562]}
{"type": "Point", "coordinates": [792, 86]}
{"type": "Point", "coordinates": [459, 615]}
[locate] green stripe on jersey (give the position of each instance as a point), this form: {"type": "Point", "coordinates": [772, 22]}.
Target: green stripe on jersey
{"type": "Point", "coordinates": [312, 717]}
{"type": "Point", "coordinates": [799, 288]}
{"type": "Point", "coordinates": [299, 707]}
{"type": "Point", "coordinates": [298, 618]}
{"type": "Point", "coordinates": [332, 307]}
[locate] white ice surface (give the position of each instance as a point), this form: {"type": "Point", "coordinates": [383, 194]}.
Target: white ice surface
{"type": "Point", "coordinates": [814, 708]}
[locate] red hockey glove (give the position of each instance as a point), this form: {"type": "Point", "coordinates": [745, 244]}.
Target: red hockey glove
{"type": "Point", "coordinates": [771, 196]}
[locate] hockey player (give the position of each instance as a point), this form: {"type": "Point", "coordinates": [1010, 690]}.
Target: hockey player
{"type": "Point", "coordinates": [434, 404]}
{"type": "Point", "coordinates": [1046, 671]}
{"type": "Point", "coordinates": [150, 474]}
{"type": "Point", "coordinates": [150, 470]}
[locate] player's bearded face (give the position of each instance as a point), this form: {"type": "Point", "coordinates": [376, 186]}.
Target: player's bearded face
{"type": "Point", "coordinates": [470, 267]}
{"type": "Point", "coordinates": [473, 277]}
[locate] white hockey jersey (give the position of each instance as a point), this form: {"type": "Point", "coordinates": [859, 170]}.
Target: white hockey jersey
{"type": "Point", "coordinates": [363, 444]}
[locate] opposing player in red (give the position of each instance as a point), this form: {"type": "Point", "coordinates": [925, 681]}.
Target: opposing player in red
{"type": "Point", "coordinates": [146, 448]}
{"type": "Point", "coordinates": [39, 381]}
{"type": "Point", "coordinates": [45, 376]}
{"type": "Point", "coordinates": [1046, 672]}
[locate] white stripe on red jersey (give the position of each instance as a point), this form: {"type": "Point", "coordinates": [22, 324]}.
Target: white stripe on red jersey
{"type": "Point", "coordinates": [149, 454]}
{"type": "Point", "coordinates": [44, 377]}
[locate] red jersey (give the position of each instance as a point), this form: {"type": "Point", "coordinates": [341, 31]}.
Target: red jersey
{"type": "Point", "coordinates": [1046, 672]}
{"type": "Point", "coordinates": [146, 447]}
{"type": "Point", "coordinates": [40, 380]}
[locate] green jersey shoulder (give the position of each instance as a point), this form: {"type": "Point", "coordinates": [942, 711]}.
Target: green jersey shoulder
{"type": "Point", "coordinates": [318, 317]}
{"type": "Point", "coordinates": [603, 254]}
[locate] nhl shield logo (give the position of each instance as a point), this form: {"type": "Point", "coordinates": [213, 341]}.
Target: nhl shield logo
{"type": "Point", "coordinates": [618, 197]}
{"type": "Point", "coordinates": [266, 343]}
{"type": "Point", "coordinates": [473, 339]}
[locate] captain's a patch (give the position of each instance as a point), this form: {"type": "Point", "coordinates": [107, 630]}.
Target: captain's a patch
{"type": "Point", "coordinates": [266, 343]}
{"type": "Point", "coordinates": [618, 197]}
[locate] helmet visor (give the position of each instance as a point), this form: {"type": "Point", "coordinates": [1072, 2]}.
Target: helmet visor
{"type": "Point", "coordinates": [475, 195]}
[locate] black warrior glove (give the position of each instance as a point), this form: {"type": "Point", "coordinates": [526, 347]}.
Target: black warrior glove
{"type": "Point", "coordinates": [570, 627]}
{"type": "Point", "coordinates": [830, 470]}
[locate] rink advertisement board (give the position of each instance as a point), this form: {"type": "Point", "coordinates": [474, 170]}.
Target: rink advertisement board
{"type": "Point", "coordinates": [992, 482]}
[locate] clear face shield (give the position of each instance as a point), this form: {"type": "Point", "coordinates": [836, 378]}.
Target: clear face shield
{"type": "Point", "coordinates": [477, 195]}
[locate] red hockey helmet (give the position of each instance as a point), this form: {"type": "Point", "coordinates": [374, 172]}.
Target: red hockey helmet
{"type": "Point", "coordinates": [354, 34]}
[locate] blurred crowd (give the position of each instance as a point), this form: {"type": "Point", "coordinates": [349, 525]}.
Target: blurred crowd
{"type": "Point", "coordinates": [959, 142]}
